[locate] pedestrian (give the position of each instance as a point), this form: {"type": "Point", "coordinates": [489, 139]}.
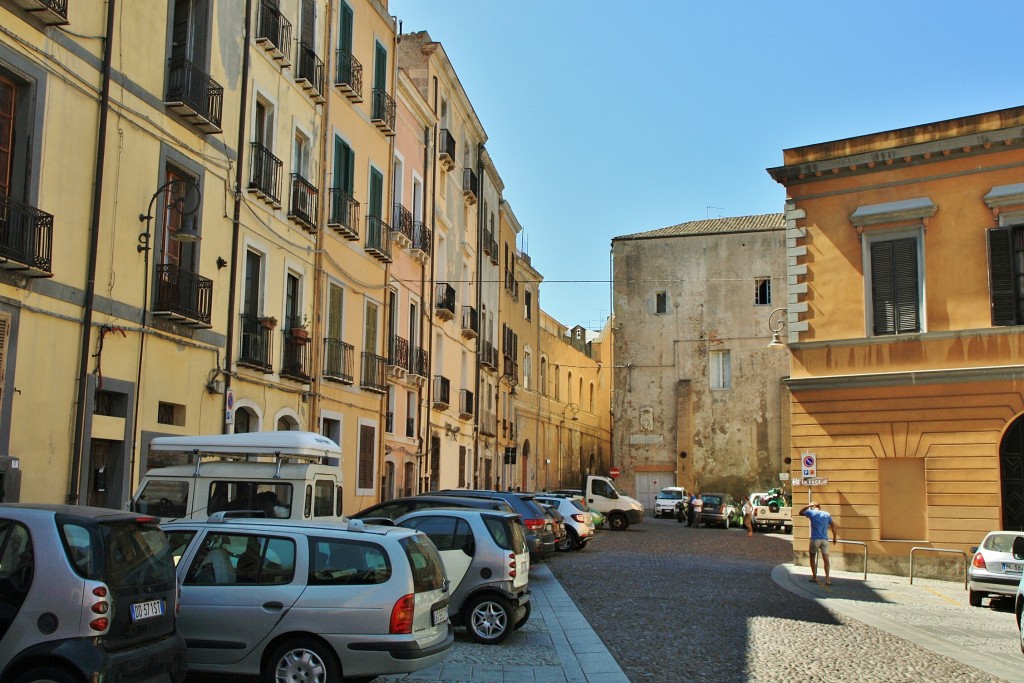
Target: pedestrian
{"type": "Point", "coordinates": [748, 516]}
{"type": "Point", "coordinates": [696, 505]}
{"type": "Point", "coordinates": [821, 522]}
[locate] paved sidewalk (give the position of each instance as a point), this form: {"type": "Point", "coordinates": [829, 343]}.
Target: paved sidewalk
{"type": "Point", "coordinates": [930, 613]}
{"type": "Point", "coordinates": [556, 645]}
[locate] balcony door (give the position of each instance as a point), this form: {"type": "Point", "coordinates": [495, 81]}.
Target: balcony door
{"type": "Point", "coordinates": [188, 32]}
{"type": "Point", "coordinates": [178, 200]}
{"type": "Point", "coordinates": [7, 91]}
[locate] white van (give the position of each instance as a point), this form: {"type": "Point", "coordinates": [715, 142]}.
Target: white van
{"type": "Point", "coordinates": [284, 475]}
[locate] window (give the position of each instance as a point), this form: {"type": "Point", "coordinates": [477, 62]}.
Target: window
{"type": "Point", "coordinates": [447, 533]}
{"type": "Point", "coordinates": [762, 291]}
{"type": "Point", "coordinates": [719, 370]}
{"type": "Point", "coordinates": [543, 375]}
{"type": "Point", "coordinates": [895, 286]}
{"type": "Point", "coordinates": [661, 302]}
{"type": "Point", "coordinates": [367, 440]}
{"type": "Point", "coordinates": [528, 305]}
{"type": "Point", "coordinates": [339, 562]}
{"type": "Point", "coordinates": [292, 302]}
{"type": "Point", "coordinates": [242, 559]}
{"type": "Point", "coordinates": [527, 368]}
{"type": "Point", "coordinates": [7, 127]}
{"type": "Point", "coordinates": [1006, 274]}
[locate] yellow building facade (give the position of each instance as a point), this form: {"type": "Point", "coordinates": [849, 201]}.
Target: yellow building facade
{"type": "Point", "coordinates": [903, 331]}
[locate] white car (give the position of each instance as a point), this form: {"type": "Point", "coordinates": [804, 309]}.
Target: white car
{"type": "Point", "coordinates": [579, 523]}
{"type": "Point", "coordinates": [668, 497]}
{"type": "Point", "coordinates": [994, 571]}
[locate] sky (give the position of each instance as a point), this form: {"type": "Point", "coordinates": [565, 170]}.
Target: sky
{"type": "Point", "coordinates": [610, 118]}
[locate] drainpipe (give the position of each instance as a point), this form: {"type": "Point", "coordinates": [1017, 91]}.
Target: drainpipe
{"type": "Point", "coordinates": [236, 214]}
{"type": "Point", "coordinates": [425, 469]}
{"type": "Point", "coordinates": [424, 407]}
{"type": "Point", "coordinates": [78, 443]}
{"type": "Point", "coordinates": [480, 223]}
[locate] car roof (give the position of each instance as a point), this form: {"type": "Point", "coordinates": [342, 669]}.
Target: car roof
{"type": "Point", "coordinates": [461, 512]}
{"type": "Point", "coordinates": [300, 526]}
{"type": "Point", "coordinates": [96, 513]}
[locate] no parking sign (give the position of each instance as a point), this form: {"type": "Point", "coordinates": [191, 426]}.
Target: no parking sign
{"type": "Point", "coordinates": [810, 466]}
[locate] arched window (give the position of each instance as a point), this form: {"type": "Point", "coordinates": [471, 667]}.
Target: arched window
{"type": "Point", "coordinates": [591, 397]}
{"type": "Point", "coordinates": [558, 388]}
{"type": "Point", "coordinates": [568, 388]}
{"type": "Point", "coordinates": [543, 375]}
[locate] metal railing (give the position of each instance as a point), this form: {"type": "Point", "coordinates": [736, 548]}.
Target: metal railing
{"type": "Point", "coordinates": [295, 363]}
{"type": "Point", "coordinates": [398, 352]}
{"type": "Point", "coordinates": [374, 373]}
{"type": "Point", "coordinates": [344, 213]}
{"type": "Point", "coordinates": [339, 360]}
{"type": "Point", "coordinates": [273, 29]}
{"type": "Point", "coordinates": [446, 146]}
{"type": "Point", "coordinates": [26, 234]}
{"type": "Point", "coordinates": [182, 292]}
{"type": "Point", "coordinates": [937, 550]}
{"type": "Point", "coordinates": [444, 298]}
{"type": "Point", "coordinates": [349, 75]}
{"type": "Point", "coordinates": [265, 176]}
{"type": "Point", "coordinates": [378, 238]}
{"type": "Point", "coordinates": [863, 545]}
{"type": "Point", "coordinates": [419, 362]}
{"type": "Point", "coordinates": [256, 343]}
{"type": "Point", "coordinates": [304, 202]}
{"type": "Point", "coordinates": [421, 236]}
{"type": "Point", "coordinates": [470, 326]}
{"type": "Point", "coordinates": [383, 110]}
{"type": "Point", "coordinates": [470, 186]}
{"type": "Point", "coordinates": [401, 221]}
{"type": "Point", "coordinates": [310, 68]}
{"type": "Point", "coordinates": [442, 391]}
{"type": "Point", "coordinates": [195, 90]}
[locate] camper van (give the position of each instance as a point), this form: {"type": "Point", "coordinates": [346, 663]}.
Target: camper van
{"type": "Point", "coordinates": [282, 475]}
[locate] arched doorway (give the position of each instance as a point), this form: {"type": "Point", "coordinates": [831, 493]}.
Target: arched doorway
{"type": "Point", "coordinates": [1011, 475]}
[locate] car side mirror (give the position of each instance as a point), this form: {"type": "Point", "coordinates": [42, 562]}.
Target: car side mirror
{"type": "Point", "coordinates": [1018, 548]}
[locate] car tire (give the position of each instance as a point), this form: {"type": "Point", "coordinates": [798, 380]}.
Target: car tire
{"type": "Point", "coordinates": [618, 522]}
{"type": "Point", "coordinates": [581, 545]}
{"type": "Point", "coordinates": [974, 598]}
{"type": "Point", "coordinates": [568, 542]}
{"type": "Point", "coordinates": [521, 621]}
{"type": "Point", "coordinates": [488, 619]}
{"type": "Point", "coordinates": [1020, 635]}
{"type": "Point", "coordinates": [46, 674]}
{"type": "Point", "coordinates": [725, 524]}
{"type": "Point", "coordinates": [301, 659]}
{"type": "Point", "coordinates": [788, 529]}
{"type": "Point", "coordinates": [773, 507]}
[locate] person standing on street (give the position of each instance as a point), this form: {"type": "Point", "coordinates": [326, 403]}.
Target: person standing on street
{"type": "Point", "coordinates": [821, 522]}
{"type": "Point", "coordinates": [748, 516]}
{"type": "Point", "coordinates": [696, 505]}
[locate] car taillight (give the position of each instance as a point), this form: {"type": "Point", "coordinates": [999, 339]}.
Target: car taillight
{"type": "Point", "coordinates": [534, 524]}
{"type": "Point", "coordinates": [402, 613]}
{"type": "Point", "coordinates": [512, 565]}
{"type": "Point", "coordinates": [979, 561]}
{"type": "Point", "coordinates": [100, 606]}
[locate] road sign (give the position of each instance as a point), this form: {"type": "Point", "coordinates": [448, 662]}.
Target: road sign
{"type": "Point", "coordinates": [810, 467]}
{"type": "Point", "coordinates": [614, 472]}
{"type": "Point", "coordinates": [811, 481]}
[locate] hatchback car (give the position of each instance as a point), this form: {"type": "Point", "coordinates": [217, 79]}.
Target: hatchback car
{"type": "Point", "coordinates": [540, 538]}
{"type": "Point", "coordinates": [719, 508]}
{"type": "Point", "coordinates": [290, 600]}
{"type": "Point", "coordinates": [86, 594]}
{"type": "Point", "coordinates": [396, 507]}
{"type": "Point", "coordinates": [994, 571]}
{"type": "Point", "coordinates": [488, 565]}
{"type": "Point", "coordinates": [579, 522]}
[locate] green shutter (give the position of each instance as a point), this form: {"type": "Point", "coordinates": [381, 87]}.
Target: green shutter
{"type": "Point", "coordinates": [1000, 273]}
{"type": "Point", "coordinates": [380, 69]}
{"type": "Point", "coordinates": [345, 28]}
{"type": "Point", "coordinates": [376, 193]}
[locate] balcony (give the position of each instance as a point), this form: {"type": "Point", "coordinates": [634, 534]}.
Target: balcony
{"type": "Point", "coordinates": [296, 362]}
{"type": "Point", "coordinates": [344, 214]}
{"type": "Point", "coordinates": [492, 248]}
{"type": "Point", "coordinates": [193, 95]}
{"type": "Point", "coordinates": [401, 225]}
{"type": "Point", "coordinates": [465, 404]}
{"type": "Point", "coordinates": [446, 150]}
{"type": "Point", "coordinates": [441, 393]}
{"type": "Point", "coordinates": [444, 301]}
{"type": "Point", "coordinates": [487, 243]}
{"type": "Point", "coordinates": [489, 356]}
{"type": "Point", "coordinates": [182, 295]}
{"type": "Point", "coordinates": [310, 73]}
{"type": "Point", "coordinates": [398, 357]}
{"type": "Point", "coordinates": [274, 33]}
{"type": "Point", "coordinates": [265, 175]}
{"type": "Point", "coordinates": [373, 375]}
{"type": "Point", "coordinates": [256, 344]}
{"type": "Point", "coordinates": [339, 361]}
{"type": "Point", "coordinates": [511, 370]}
{"type": "Point", "coordinates": [488, 423]}
{"type": "Point", "coordinates": [419, 365]}
{"type": "Point", "coordinates": [378, 243]}
{"type": "Point", "coordinates": [26, 238]}
{"type": "Point", "coordinates": [421, 239]}
{"type": "Point", "coordinates": [49, 12]}
{"type": "Point", "coordinates": [470, 326]}
{"type": "Point", "coordinates": [382, 112]}
{"type": "Point", "coordinates": [470, 186]}
{"type": "Point", "coordinates": [512, 285]}
{"type": "Point", "coordinates": [302, 208]}
{"type": "Point", "coordinates": [349, 76]}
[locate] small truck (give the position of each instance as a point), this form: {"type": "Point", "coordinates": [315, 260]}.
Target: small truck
{"type": "Point", "coordinates": [772, 510]}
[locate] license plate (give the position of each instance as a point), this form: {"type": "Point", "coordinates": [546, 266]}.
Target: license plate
{"type": "Point", "coordinates": [440, 615]}
{"type": "Point", "coordinates": [524, 566]}
{"type": "Point", "coordinates": [1014, 567]}
{"type": "Point", "coordinates": [147, 610]}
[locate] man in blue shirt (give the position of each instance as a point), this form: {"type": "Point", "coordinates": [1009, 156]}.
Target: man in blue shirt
{"type": "Point", "coordinates": [821, 522]}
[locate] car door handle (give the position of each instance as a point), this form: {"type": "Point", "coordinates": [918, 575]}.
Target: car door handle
{"type": "Point", "coordinates": [273, 605]}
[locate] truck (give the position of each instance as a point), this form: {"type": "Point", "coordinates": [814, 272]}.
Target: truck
{"type": "Point", "coordinates": [772, 510]}
{"type": "Point", "coordinates": [283, 474]}
{"type": "Point", "coordinates": [620, 510]}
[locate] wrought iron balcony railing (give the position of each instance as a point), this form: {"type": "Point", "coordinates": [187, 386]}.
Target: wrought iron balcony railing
{"type": "Point", "coordinates": [344, 214]}
{"type": "Point", "coordinates": [512, 285]}
{"type": "Point", "coordinates": [296, 361]}
{"type": "Point", "coordinates": [194, 95]}
{"type": "Point", "coordinates": [265, 175]}
{"type": "Point", "coordinates": [26, 238]}
{"type": "Point", "coordinates": [444, 301]}
{"type": "Point", "coordinates": [511, 368]}
{"type": "Point", "coordinates": [398, 353]}
{"type": "Point", "coordinates": [309, 73]}
{"type": "Point", "coordinates": [349, 76]}
{"type": "Point", "coordinates": [465, 404]}
{"type": "Point", "coordinates": [374, 373]}
{"type": "Point", "coordinates": [378, 241]}
{"type": "Point", "coordinates": [339, 361]}
{"type": "Point", "coordinates": [256, 343]}
{"type": "Point", "coordinates": [419, 363]}
{"type": "Point", "coordinates": [421, 240]}
{"type": "Point", "coordinates": [487, 243]}
{"type": "Point", "coordinates": [180, 293]}
{"type": "Point", "coordinates": [382, 112]}
{"type": "Point", "coordinates": [49, 12]}
{"type": "Point", "coordinates": [304, 202]}
{"type": "Point", "coordinates": [470, 324]}
{"type": "Point", "coordinates": [274, 32]}
{"type": "Point", "coordinates": [401, 224]}
{"type": "Point", "coordinates": [470, 186]}
{"type": "Point", "coordinates": [441, 392]}
{"type": "Point", "coordinates": [446, 149]}
{"type": "Point", "coordinates": [489, 356]}
{"type": "Point", "coordinates": [410, 427]}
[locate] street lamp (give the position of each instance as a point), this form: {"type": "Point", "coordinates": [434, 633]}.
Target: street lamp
{"type": "Point", "coordinates": [183, 198]}
{"type": "Point", "coordinates": [780, 323]}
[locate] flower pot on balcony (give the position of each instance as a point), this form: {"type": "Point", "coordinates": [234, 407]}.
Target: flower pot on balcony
{"type": "Point", "coordinates": [268, 323]}
{"type": "Point", "coordinates": [300, 335]}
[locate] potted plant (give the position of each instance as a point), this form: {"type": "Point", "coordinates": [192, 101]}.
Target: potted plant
{"type": "Point", "coordinates": [300, 330]}
{"type": "Point", "coordinates": [268, 322]}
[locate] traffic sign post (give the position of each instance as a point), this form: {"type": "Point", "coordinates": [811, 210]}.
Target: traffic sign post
{"type": "Point", "coordinates": [614, 472]}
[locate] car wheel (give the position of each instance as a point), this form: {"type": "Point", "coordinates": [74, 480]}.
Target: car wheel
{"type": "Point", "coordinates": [1020, 632]}
{"type": "Point", "coordinates": [521, 621]}
{"type": "Point", "coordinates": [488, 619]}
{"type": "Point", "coordinates": [618, 522]}
{"type": "Point", "coordinates": [787, 529]}
{"type": "Point", "coordinates": [568, 542]}
{"type": "Point", "coordinates": [974, 598]}
{"type": "Point", "coordinates": [725, 524]}
{"type": "Point", "coordinates": [301, 660]}
{"type": "Point", "coordinates": [46, 674]}
{"type": "Point", "coordinates": [581, 545]}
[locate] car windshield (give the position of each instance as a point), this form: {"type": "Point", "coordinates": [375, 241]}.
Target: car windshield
{"type": "Point", "coordinates": [670, 495]}
{"type": "Point", "coordinates": [712, 500]}
{"type": "Point", "coordinates": [1000, 543]}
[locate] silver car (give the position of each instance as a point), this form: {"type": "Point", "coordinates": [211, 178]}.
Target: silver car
{"type": "Point", "coordinates": [488, 564]}
{"type": "Point", "coordinates": [289, 600]}
{"type": "Point", "coordinates": [579, 523]}
{"type": "Point", "coordinates": [994, 571]}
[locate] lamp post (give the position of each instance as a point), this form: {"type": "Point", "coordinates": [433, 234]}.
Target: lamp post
{"type": "Point", "coordinates": [777, 322]}
{"type": "Point", "coordinates": [575, 409]}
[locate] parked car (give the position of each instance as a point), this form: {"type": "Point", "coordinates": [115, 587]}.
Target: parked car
{"type": "Point", "coordinates": [396, 507]}
{"type": "Point", "coordinates": [596, 516]}
{"type": "Point", "coordinates": [488, 564]}
{"type": "Point", "coordinates": [86, 594]}
{"type": "Point", "coordinates": [994, 571]}
{"type": "Point", "coordinates": [666, 500]}
{"type": "Point", "coordinates": [539, 536]}
{"type": "Point", "coordinates": [291, 600]}
{"type": "Point", "coordinates": [579, 523]}
{"type": "Point", "coordinates": [557, 523]}
{"type": "Point", "coordinates": [719, 509]}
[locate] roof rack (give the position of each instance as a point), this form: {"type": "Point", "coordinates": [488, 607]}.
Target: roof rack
{"type": "Point", "coordinates": [282, 446]}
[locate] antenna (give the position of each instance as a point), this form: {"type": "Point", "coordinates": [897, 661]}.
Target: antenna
{"type": "Point", "coordinates": [708, 211]}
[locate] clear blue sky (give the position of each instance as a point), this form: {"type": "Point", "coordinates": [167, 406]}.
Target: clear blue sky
{"type": "Point", "coordinates": [609, 118]}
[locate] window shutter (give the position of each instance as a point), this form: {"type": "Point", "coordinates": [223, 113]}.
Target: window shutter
{"type": "Point", "coordinates": [1000, 273]}
{"type": "Point", "coordinates": [906, 297]}
{"type": "Point", "coordinates": [881, 288]}
{"type": "Point", "coordinates": [367, 436]}
{"type": "Point", "coordinates": [5, 328]}
{"type": "Point", "coordinates": [894, 286]}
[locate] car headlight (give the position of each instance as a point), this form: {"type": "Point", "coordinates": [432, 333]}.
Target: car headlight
{"type": "Point", "coordinates": [637, 506]}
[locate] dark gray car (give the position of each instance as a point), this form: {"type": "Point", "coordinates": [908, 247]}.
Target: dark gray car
{"type": "Point", "coordinates": [540, 537]}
